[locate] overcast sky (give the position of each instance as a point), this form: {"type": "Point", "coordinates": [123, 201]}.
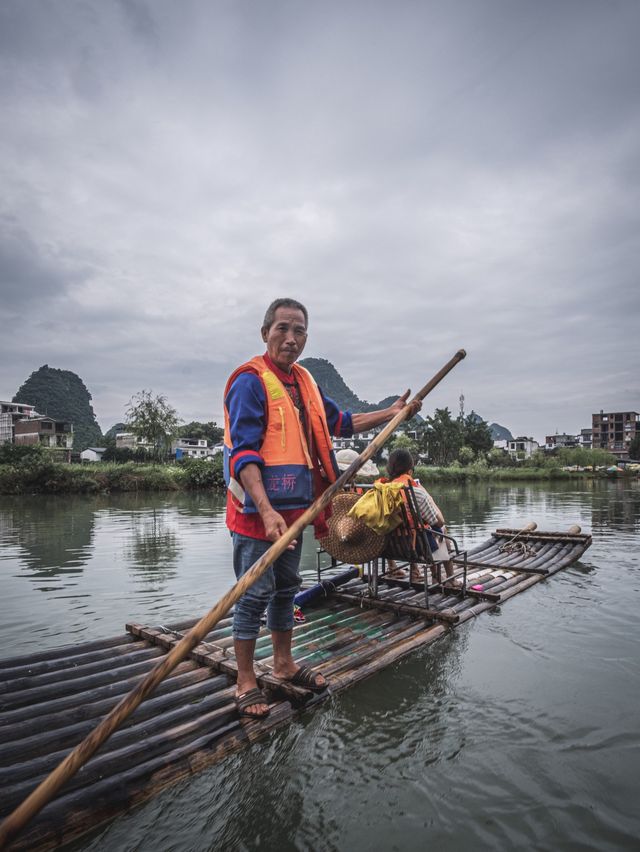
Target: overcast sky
{"type": "Point", "coordinates": [424, 176]}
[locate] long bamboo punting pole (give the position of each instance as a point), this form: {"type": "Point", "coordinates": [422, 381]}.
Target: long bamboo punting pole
{"type": "Point", "coordinates": [79, 756]}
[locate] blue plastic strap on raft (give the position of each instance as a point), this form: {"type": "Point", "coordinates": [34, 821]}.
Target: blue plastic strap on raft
{"type": "Point", "coordinates": [324, 589]}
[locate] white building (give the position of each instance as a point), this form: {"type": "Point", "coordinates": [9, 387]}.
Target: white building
{"type": "Point", "coordinates": [522, 447]}
{"type": "Point", "coordinates": [350, 443]}
{"type": "Point", "coordinates": [92, 454]}
{"type": "Point", "coordinates": [193, 448]}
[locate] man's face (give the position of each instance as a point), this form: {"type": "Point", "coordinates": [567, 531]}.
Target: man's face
{"type": "Point", "coordinates": [286, 338]}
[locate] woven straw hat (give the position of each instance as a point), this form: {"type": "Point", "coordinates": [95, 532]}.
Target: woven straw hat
{"type": "Point", "coordinates": [349, 539]}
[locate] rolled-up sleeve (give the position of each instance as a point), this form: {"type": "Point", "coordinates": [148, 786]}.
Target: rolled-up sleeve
{"type": "Point", "coordinates": [339, 422]}
{"type": "Point", "coordinates": [245, 403]}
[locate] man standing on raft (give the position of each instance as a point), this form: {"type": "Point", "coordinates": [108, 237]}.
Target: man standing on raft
{"type": "Point", "coordinates": [278, 459]}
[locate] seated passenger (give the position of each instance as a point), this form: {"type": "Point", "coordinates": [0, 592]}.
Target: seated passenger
{"type": "Point", "coordinates": [400, 469]}
{"type": "Point", "coordinates": [366, 474]}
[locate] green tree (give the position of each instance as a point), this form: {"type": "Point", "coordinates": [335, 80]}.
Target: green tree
{"type": "Point", "coordinates": [466, 455]}
{"type": "Point", "coordinates": [442, 437]}
{"type": "Point", "coordinates": [476, 433]}
{"type": "Point", "coordinates": [634, 448]}
{"type": "Point", "coordinates": [153, 420]}
{"type": "Point", "coordinates": [210, 431]}
{"type": "Point", "coordinates": [403, 442]}
{"type": "Point", "coordinates": [540, 458]}
{"type": "Point", "coordinates": [22, 454]}
{"type": "Point", "coordinates": [572, 456]}
{"type": "Point", "coordinates": [601, 458]}
{"type": "Point", "coordinates": [499, 458]}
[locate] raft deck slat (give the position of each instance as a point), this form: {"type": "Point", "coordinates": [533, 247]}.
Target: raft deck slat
{"type": "Point", "coordinates": [190, 722]}
{"type": "Point", "coordinates": [183, 678]}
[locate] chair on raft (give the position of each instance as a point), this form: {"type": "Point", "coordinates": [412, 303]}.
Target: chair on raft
{"type": "Point", "coordinates": [413, 542]}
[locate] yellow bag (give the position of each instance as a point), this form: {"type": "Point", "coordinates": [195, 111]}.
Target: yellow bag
{"type": "Point", "coordinates": [380, 508]}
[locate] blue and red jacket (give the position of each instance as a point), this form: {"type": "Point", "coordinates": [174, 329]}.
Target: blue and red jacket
{"type": "Point", "coordinates": [293, 451]}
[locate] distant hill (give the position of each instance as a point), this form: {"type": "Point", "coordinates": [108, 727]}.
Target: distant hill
{"type": "Point", "coordinates": [117, 427]}
{"type": "Point", "coordinates": [334, 385]}
{"type": "Point", "coordinates": [63, 395]}
{"type": "Point", "coordinates": [500, 433]}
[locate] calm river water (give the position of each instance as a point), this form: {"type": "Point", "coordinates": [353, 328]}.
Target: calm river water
{"type": "Point", "coordinates": [521, 729]}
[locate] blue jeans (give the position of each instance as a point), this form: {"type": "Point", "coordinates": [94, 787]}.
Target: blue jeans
{"type": "Point", "coordinates": [273, 592]}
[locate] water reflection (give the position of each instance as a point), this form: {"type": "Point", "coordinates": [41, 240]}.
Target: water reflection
{"type": "Point", "coordinates": [616, 505]}
{"type": "Point", "coordinates": [153, 545]}
{"type": "Point", "coordinates": [53, 534]}
{"type": "Point", "coordinates": [475, 509]}
{"type": "Point", "coordinates": [479, 735]}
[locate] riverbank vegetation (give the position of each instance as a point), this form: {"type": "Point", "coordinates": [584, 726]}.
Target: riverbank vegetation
{"type": "Point", "coordinates": [564, 464]}
{"type": "Point", "coordinates": [30, 470]}
{"type": "Point", "coordinates": [475, 473]}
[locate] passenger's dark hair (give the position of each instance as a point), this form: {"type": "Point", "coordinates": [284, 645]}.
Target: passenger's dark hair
{"type": "Point", "coordinates": [270, 315]}
{"type": "Point", "coordinates": [400, 461]}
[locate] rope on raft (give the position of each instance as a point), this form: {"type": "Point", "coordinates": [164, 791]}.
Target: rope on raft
{"type": "Point", "coordinates": [519, 547]}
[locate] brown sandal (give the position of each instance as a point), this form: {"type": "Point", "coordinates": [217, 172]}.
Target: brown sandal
{"type": "Point", "coordinates": [248, 699]}
{"type": "Point", "coordinates": [306, 677]}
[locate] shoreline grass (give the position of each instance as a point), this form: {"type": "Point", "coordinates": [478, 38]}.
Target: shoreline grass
{"type": "Point", "coordinates": [46, 477]}
{"type": "Point", "coordinates": [476, 473]}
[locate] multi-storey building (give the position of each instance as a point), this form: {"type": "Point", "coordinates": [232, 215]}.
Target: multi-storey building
{"type": "Point", "coordinates": [10, 413]}
{"type": "Point", "coordinates": [614, 431]}
{"type": "Point", "coordinates": [553, 442]}
{"type": "Point", "coordinates": [45, 431]}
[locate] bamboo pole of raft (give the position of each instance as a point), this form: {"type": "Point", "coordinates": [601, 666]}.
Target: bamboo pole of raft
{"type": "Point", "coordinates": [79, 756]}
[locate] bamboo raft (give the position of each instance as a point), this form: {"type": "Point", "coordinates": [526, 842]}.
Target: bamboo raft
{"type": "Point", "coordinates": [51, 701]}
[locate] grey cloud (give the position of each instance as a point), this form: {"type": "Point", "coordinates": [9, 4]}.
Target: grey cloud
{"type": "Point", "coordinates": [140, 18]}
{"type": "Point", "coordinates": [29, 274]}
{"type": "Point", "coordinates": [423, 175]}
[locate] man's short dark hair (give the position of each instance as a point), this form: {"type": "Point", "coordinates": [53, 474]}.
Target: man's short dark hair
{"type": "Point", "coordinates": [269, 317]}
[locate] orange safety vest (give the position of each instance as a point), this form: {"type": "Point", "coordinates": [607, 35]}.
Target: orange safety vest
{"type": "Point", "coordinates": [288, 474]}
{"type": "Point", "coordinates": [406, 479]}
